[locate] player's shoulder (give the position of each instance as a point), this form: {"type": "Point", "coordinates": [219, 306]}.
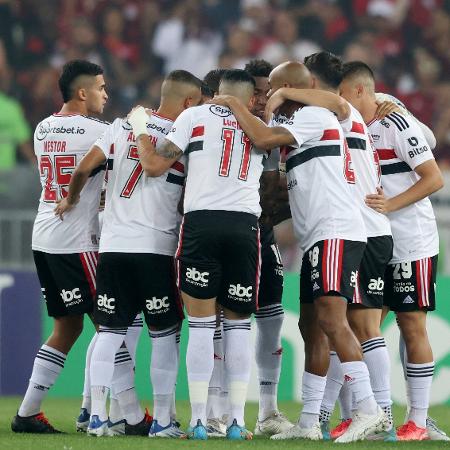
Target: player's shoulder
{"type": "Point", "coordinates": [91, 119]}
{"type": "Point", "coordinates": [158, 123]}
{"type": "Point", "coordinates": [399, 122]}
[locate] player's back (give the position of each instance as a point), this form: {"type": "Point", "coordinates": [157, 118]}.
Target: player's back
{"type": "Point", "coordinates": [60, 141]}
{"type": "Point", "coordinates": [366, 171]}
{"type": "Point", "coordinates": [318, 175]}
{"type": "Point", "coordinates": [223, 167]}
{"type": "Point", "coordinates": [141, 212]}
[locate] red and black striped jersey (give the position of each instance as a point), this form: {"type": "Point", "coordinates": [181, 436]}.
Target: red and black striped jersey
{"type": "Point", "coordinates": [140, 212]}
{"type": "Point", "coordinates": [401, 147]}
{"type": "Point", "coordinates": [223, 167]}
{"type": "Point", "coordinates": [319, 175]}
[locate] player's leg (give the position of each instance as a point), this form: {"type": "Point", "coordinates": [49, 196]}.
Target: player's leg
{"type": "Point", "coordinates": [316, 357]}
{"type": "Point", "coordinates": [339, 261]}
{"type": "Point", "coordinates": [163, 314]}
{"type": "Point", "coordinates": [364, 316]}
{"type": "Point", "coordinates": [268, 351]}
{"type": "Point", "coordinates": [199, 277]}
{"type": "Point", "coordinates": [68, 296]}
{"type": "Point", "coordinates": [241, 265]}
{"type": "Point", "coordinates": [412, 294]}
{"type": "Point", "coordinates": [214, 407]}
{"type": "Point", "coordinates": [115, 309]}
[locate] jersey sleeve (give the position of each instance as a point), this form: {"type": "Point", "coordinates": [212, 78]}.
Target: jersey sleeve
{"type": "Point", "coordinates": [302, 126]}
{"type": "Point", "coordinates": [107, 139]}
{"type": "Point", "coordinates": [271, 163]}
{"type": "Point", "coordinates": [181, 131]}
{"type": "Point", "coordinates": [410, 143]}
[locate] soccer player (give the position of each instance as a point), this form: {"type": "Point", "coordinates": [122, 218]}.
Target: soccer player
{"type": "Point", "coordinates": [364, 312]}
{"type": "Point", "coordinates": [65, 252]}
{"type": "Point", "coordinates": [332, 234]}
{"type": "Point", "coordinates": [270, 314]}
{"type": "Point", "coordinates": [218, 250]}
{"type": "Point", "coordinates": [136, 267]}
{"type": "Point", "coordinates": [409, 175]}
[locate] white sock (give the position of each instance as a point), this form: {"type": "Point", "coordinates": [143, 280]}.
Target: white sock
{"type": "Point", "coordinates": [102, 367]}
{"type": "Point", "coordinates": [345, 402]}
{"type": "Point", "coordinates": [376, 357]}
{"type": "Point", "coordinates": [313, 388]}
{"type": "Point", "coordinates": [163, 372]}
{"type": "Point", "coordinates": [133, 335]}
{"type": "Point", "coordinates": [404, 360]}
{"type": "Point", "coordinates": [238, 357]}
{"type": "Point", "coordinates": [86, 403]}
{"type": "Point", "coordinates": [357, 376]}
{"type": "Point", "coordinates": [173, 405]}
{"type": "Point", "coordinates": [122, 387]}
{"type": "Point", "coordinates": [420, 377]}
{"type": "Point", "coordinates": [200, 364]}
{"type": "Point", "coordinates": [115, 414]}
{"type": "Point", "coordinates": [48, 364]}
{"type": "Point", "coordinates": [213, 406]}
{"type": "Point", "coordinates": [269, 320]}
{"type": "Point", "coordinates": [335, 380]}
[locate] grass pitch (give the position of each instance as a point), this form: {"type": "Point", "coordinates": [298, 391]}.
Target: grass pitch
{"type": "Point", "coordinates": [62, 414]}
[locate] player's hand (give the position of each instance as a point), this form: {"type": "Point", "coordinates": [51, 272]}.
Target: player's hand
{"type": "Point", "coordinates": [137, 118]}
{"type": "Point", "coordinates": [385, 108]}
{"type": "Point", "coordinates": [63, 206]}
{"type": "Point", "coordinates": [378, 202]}
{"type": "Point", "coordinates": [273, 103]}
{"type": "Point", "coordinates": [221, 100]}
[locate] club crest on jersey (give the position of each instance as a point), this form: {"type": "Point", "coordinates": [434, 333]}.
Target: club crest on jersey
{"type": "Point", "coordinates": [221, 111]}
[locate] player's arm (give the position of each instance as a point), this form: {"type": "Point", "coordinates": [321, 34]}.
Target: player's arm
{"type": "Point", "coordinates": [409, 142]}
{"type": "Point", "coordinates": [311, 97]}
{"type": "Point", "coordinates": [262, 136]}
{"type": "Point", "coordinates": [94, 158]}
{"type": "Point", "coordinates": [154, 162]}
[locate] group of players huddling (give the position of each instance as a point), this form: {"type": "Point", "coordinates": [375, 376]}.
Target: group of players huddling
{"type": "Point", "coordinates": [193, 190]}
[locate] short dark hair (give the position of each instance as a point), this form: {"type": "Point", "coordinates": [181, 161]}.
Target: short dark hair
{"type": "Point", "coordinates": [238, 76]}
{"type": "Point", "coordinates": [258, 68]}
{"type": "Point", "coordinates": [183, 76]}
{"type": "Point", "coordinates": [357, 68]}
{"type": "Point", "coordinates": [71, 71]}
{"type": "Point", "coordinates": [326, 66]}
{"type": "Point", "coordinates": [212, 81]}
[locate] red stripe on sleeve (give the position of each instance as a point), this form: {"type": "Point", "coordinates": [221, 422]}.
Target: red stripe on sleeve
{"type": "Point", "coordinates": [330, 135]}
{"type": "Point", "coordinates": [386, 153]}
{"type": "Point", "coordinates": [198, 131]}
{"type": "Point", "coordinates": [178, 166]}
{"type": "Point", "coordinates": [357, 128]}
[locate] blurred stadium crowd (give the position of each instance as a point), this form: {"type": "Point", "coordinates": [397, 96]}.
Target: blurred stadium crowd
{"type": "Point", "coordinates": [406, 42]}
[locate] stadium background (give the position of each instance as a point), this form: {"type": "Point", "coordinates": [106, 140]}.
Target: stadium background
{"type": "Point", "coordinates": [407, 42]}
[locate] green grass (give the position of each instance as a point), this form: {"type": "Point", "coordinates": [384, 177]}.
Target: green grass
{"type": "Point", "coordinates": [62, 412]}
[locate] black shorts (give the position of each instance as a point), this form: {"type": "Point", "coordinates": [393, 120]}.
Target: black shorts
{"type": "Point", "coordinates": [271, 281]}
{"type": "Point", "coordinates": [219, 256]}
{"type": "Point", "coordinates": [411, 286]}
{"type": "Point", "coordinates": [128, 283]}
{"type": "Point", "coordinates": [370, 283]}
{"type": "Point", "coordinates": [67, 281]}
{"type": "Point", "coordinates": [330, 267]}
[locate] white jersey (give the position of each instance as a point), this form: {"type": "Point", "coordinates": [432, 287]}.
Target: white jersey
{"type": "Point", "coordinates": [367, 172]}
{"type": "Point", "coordinates": [401, 147]}
{"type": "Point", "coordinates": [223, 168]}
{"type": "Point", "coordinates": [141, 212]}
{"type": "Point", "coordinates": [318, 175]}
{"type": "Point", "coordinates": [60, 141]}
